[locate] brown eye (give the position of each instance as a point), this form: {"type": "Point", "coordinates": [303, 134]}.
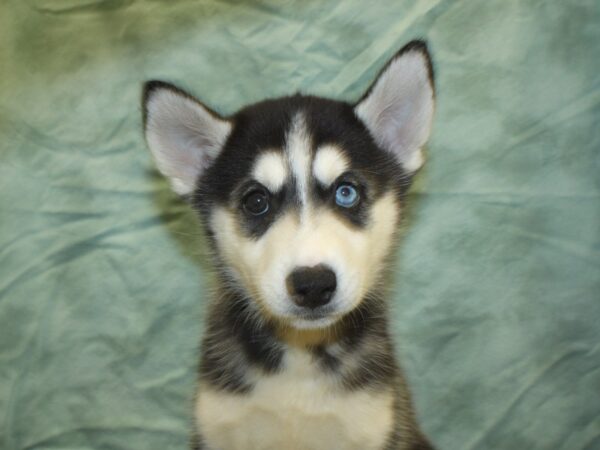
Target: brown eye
{"type": "Point", "coordinates": [256, 203]}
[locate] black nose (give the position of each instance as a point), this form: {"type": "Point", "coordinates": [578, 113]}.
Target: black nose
{"type": "Point", "coordinates": [311, 287]}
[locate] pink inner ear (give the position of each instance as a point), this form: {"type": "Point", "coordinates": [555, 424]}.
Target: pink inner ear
{"type": "Point", "coordinates": [183, 136]}
{"type": "Point", "coordinates": [399, 108]}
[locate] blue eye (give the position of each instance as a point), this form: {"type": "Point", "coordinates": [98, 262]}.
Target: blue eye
{"type": "Point", "coordinates": [346, 195]}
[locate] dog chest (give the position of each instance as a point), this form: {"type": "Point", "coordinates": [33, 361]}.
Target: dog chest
{"type": "Point", "coordinates": [299, 408]}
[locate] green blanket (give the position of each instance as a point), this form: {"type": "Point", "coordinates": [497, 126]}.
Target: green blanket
{"type": "Point", "coordinates": [102, 272]}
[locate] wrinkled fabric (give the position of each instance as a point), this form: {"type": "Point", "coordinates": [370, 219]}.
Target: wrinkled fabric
{"type": "Point", "coordinates": [496, 304]}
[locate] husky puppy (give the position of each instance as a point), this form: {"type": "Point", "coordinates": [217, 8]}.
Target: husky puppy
{"type": "Point", "coordinates": [300, 198]}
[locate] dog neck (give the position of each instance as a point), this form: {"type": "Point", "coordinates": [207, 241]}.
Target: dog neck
{"type": "Point", "coordinates": [238, 337]}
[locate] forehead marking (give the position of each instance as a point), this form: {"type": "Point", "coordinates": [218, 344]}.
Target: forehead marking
{"type": "Point", "coordinates": [329, 164]}
{"type": "Point", "coordinates": [298, 151]}
{"type": "Point", "coordinates": [270, 170]}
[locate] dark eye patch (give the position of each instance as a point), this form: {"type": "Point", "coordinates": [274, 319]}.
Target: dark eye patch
{"type": "Point", "coordinates": [254, 218]}
{"type": "Point", "coordinates": [357, 214]}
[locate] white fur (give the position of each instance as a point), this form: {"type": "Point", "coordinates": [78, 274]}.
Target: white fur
{"type": "Point", "coordinates": [263, 264]}
{"type": "Point", "coordinates": [399, 109]}
{"type": "Point", "coordinates": [183, 136]}
{"type": "Point", "coordinates": [299, 408]}
{"type": "Point", "coordinates": [329, 164]}
{"type": "Point", "coordinates": [298, 151]}
{"type": "Point", "coordinates": [270, 170]}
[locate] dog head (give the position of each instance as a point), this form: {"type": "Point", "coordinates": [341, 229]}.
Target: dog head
{"type": "Point", "coordinates": [301, 195]}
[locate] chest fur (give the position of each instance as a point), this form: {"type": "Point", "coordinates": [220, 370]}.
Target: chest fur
{"type": "Point", "coordinates": [299, 408]}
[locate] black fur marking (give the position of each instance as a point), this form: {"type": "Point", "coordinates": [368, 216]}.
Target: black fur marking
{"type": "Point", "coordinates": [260, 346]}
{"type": "Point", "coordinates": [236, 339]}
{"type": "Point", "coordinates": [257, 128]}
{"type": "Point", "coordinates": [227, 375]}
{"type": "Point", "coordinates": [256, 226]}
{"type": "Point", "coordinates": [196, 442]}
{"type": "Point", "coordinates": [422, 445]}
{"type": "Point", "coordinates": [375, 369]}
{"type": "Point", "coordinates": [328, 362]}
{"type": "Point", "coordinates": [401, 439]}
{"type": "Point", "coordinates": [366, 338]}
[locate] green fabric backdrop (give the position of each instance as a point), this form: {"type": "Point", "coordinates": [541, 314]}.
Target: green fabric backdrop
{"type": "Point", "coordinates": [497, 300]}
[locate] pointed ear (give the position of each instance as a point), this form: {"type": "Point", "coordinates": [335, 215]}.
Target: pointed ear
{"type": "Point", "coordinates": [398, 108]}
{"type": "Point", "coordinates": [184, 136]}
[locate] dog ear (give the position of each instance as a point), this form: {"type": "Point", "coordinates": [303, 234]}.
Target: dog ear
{"type": "Point", "coordinates": [398, 108]}
{"type": "Point", "coordinates": [183, 135]}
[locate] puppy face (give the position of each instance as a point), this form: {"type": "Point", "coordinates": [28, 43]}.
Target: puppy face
{"type": "Point", "coordinates": [301, 195]}
{"type": "Point", "coordinates": [321, 197]}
